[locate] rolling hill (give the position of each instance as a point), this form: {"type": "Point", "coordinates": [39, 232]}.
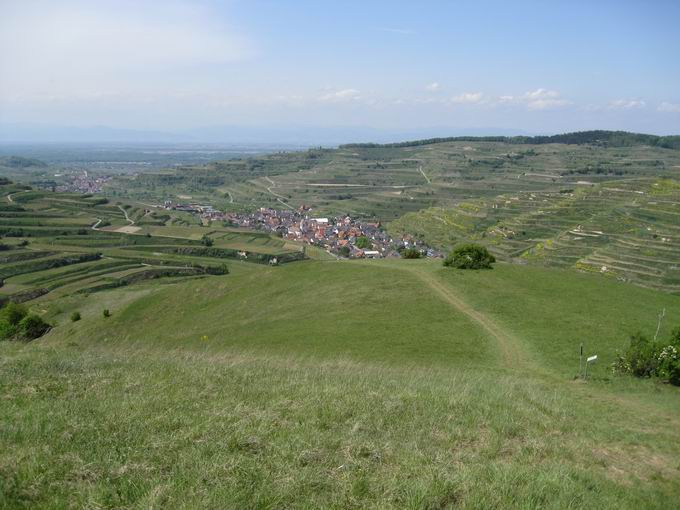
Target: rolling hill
{"type": "Point", "coordinates": [218, 380]}
{"type": "Point", "coordinates": [349, 384]}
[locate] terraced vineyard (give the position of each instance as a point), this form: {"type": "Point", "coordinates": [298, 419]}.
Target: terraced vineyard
{"type": "Point", "coordinates": [628, 229]}
{"type": "Point", "coordinates": [56, 244]}
{"type": "Point", "coordinates": [388, 182]}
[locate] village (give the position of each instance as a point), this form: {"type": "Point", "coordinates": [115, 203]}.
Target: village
{"type": "Point", "coordinates": [343, 236]}
{"type": "Point", "coordinates": [74, 182]}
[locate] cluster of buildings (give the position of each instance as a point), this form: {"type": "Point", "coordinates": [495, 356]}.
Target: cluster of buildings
{"type": "Point", "coordinates": [84, 183]}
{"type": "Point", "coordinates": [344, 236]}
{"type": "Point", "coordinates": [74, 183]}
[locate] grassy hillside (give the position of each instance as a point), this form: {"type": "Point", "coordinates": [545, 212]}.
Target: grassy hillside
{"type": "Point", "coordinates": [342, 384]}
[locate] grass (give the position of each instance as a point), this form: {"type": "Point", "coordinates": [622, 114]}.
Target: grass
{"type": "Point", "coordinates": [340, 385]}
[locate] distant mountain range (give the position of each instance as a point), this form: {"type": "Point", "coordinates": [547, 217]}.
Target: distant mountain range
{"type": "Point", "coordinates": [295, 135]}
{"type": "Point", "coordinates": [312, 136]}
{"type": "Point", "coordinates": [596, 137]}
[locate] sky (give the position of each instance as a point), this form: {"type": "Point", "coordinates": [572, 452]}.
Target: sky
{"type": "Point", "coordinates": [529, 66]}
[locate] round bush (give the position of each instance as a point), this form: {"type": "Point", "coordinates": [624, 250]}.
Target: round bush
{"type": "Point", "coordinates": [470, 256]}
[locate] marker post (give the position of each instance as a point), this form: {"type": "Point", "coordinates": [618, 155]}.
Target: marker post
{"type": "Point", "coordinates": [589, 360]}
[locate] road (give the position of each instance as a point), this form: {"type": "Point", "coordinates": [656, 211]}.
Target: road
{"type": "Point", "coordinates": [420, 169]}
{"type": "Point", "coordinates": [278, 197]}
{"type": "Point", "coordinates": [9, 197]}
{"type": "Point", "coordinates": [127, 218]}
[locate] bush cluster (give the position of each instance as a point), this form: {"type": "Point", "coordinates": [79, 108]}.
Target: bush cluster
{"type": "Point", "coordinates": [470, 256]}
{"type": "Point", "coordinates": [17, 324]}
{"type": "Point", "coordinates": [648, 358]}
{"type": "Point", "coordinates": [410, 253]}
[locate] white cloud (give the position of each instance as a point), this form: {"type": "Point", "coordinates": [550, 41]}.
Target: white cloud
{"type": "Point", "coordinates": [627, 104]}
{"type": "Point", "coordinates": [77, 48]}
{"type": "Point", "coordinates": [468, 98]}
{"type": "Point", "coordinates": [341, 96]}
{"type": "Point", "coordinates": [669, 107]}
{"type": "Point", "coordinates": [542, 99]}
{"type": "Point", "coordinates": [433, 87]}
{"type": "Point", "coordinates": [539, 99]}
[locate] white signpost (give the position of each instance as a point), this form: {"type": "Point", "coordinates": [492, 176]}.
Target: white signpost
{"type": "Point", "coordinates": [589, 360]}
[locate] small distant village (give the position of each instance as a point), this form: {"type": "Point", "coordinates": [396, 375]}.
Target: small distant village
{"type": "Point", "coordinates": [343, 235]}
{"type": "Point", "coordinates": [81, 182]}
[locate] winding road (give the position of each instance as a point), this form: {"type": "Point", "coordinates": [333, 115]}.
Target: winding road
{"type": "Point", "coordinates": [127, 218]}
{"type": "Point", "coordinates": [9, 196]}
{"type": "Point", "coordinates": [278, 197]}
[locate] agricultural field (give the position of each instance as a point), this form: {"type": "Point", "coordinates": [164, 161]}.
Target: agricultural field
{"type": "Point", "coordinates": [348, 384]}
{"type": "Point", "coordinates": [57, 244]}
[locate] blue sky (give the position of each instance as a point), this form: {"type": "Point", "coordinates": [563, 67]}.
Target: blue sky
{"type": "Point", "coordinates": [533, 66]}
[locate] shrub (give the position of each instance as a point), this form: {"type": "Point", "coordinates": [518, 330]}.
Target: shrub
{"type": "Point", "coordinates": [646, 358]}
{"type": "Point", "coordinates": [470, 256]}
{"type": "Point", "coordinates": [106, 313]}
{"type": "Point", "coordinates": [16, 323]}
{"type": "Point", "coordinates": [410, 253]}
{"type": "Point", "coordinates": [75, 316]}
{"type": "Point", "coordinates": [7, 330]}
{"type": "Point", "coordinates": [12, 313]}
{"type": "Point", "coordinates": [32, 327]}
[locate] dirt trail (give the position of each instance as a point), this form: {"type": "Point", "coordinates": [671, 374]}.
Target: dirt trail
{"type": "Point", "coordinates": [9, 196]}
{"type": "Point", "coordinates": [420, 169]}
{"type": "Point", "coordinates": [127, 218]}
{"type": "Point", "coordinates": [278, 197]}
{"type": "Point", "coordinates": [508, 343]}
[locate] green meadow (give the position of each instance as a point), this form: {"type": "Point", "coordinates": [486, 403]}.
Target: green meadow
{"type": "Point", "coordinates": [379, 384]}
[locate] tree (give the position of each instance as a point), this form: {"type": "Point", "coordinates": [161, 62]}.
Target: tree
{"type": "Point", "coordinates": [470, 256]}
{"type": "Point", "coordinates": [344, 251]}
{"type": "Point", "coordinates": [206, 240]}
{"type": "Point", "coordinates": [75, 316]}
{"type": "Point", "coordinates": [106, 313]}
{"type": "Point", "coordinates": [363, 242]}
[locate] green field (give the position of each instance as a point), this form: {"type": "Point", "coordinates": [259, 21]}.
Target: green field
{"type": "Point", "coordinates": [384, 384]}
